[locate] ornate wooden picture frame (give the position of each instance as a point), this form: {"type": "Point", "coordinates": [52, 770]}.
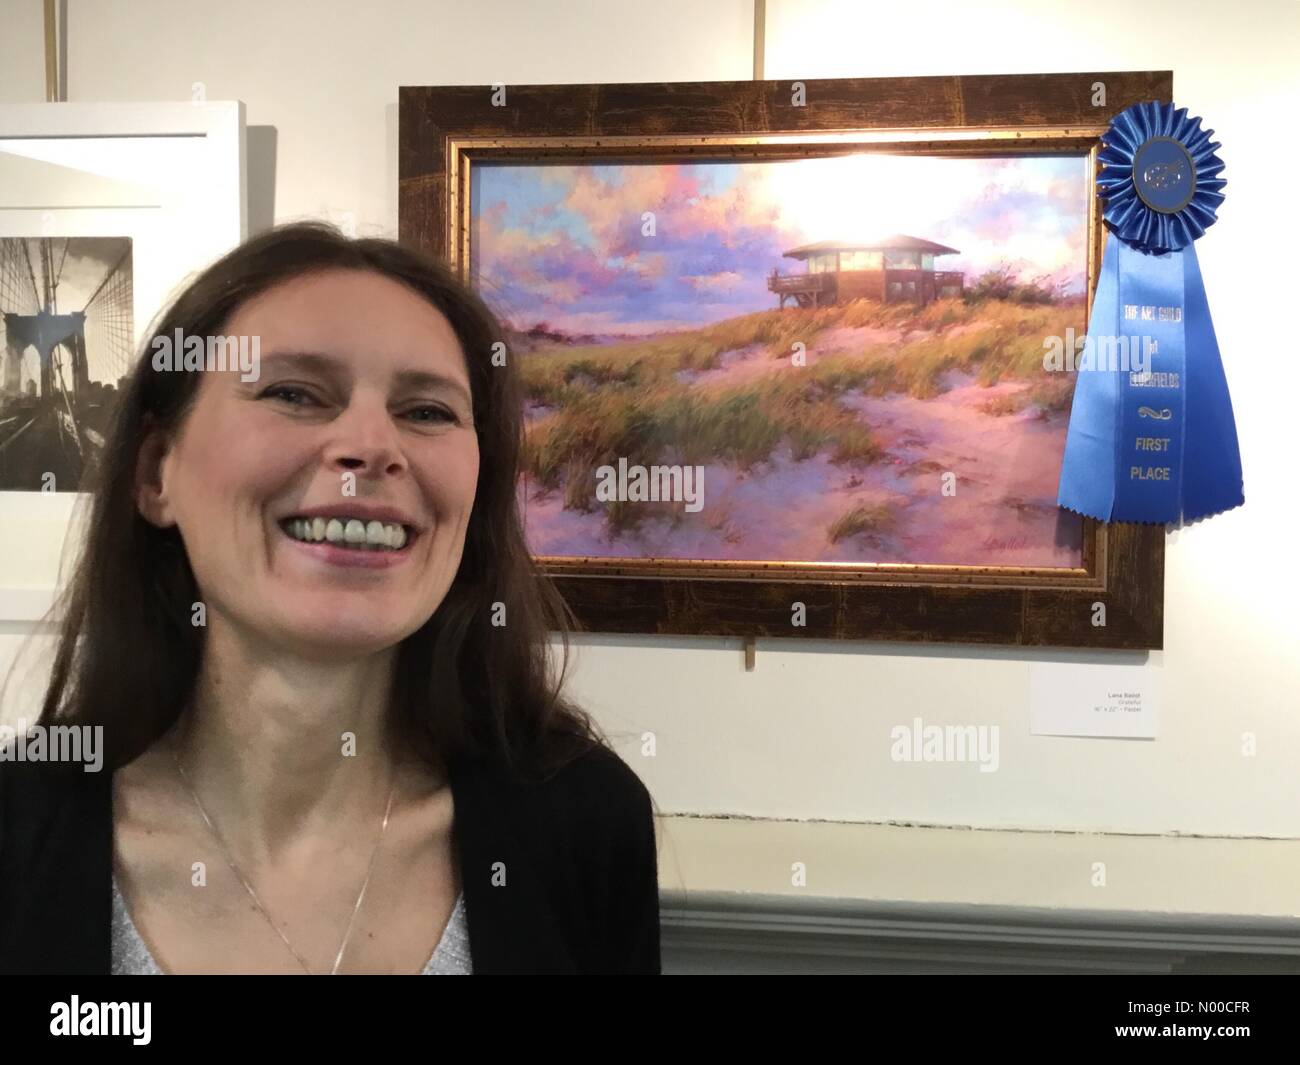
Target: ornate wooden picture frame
{"type": "Point", "coordinates": [1111, 597]}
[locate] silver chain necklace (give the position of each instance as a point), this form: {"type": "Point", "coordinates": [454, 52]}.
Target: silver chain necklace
{"type": "Point", "coordinates": [253, 894]}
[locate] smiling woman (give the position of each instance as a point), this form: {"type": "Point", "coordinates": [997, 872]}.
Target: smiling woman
{"type": "Point", "coordinates": [305, 617]}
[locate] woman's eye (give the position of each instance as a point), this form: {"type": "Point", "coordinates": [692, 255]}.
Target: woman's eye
{"type": "Point", "coordinates": [292, 395]}
{"type": "Point", "coordinates": [295, 396]}
{"type": "Point", "coordinates": [431, 415]}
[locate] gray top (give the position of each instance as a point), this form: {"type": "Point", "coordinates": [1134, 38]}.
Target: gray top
{"type": "Point", "coordinates": [131, 956]}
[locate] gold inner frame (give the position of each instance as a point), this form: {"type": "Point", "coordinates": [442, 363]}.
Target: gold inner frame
{"type": "Point", "coordinates": [464, 152]}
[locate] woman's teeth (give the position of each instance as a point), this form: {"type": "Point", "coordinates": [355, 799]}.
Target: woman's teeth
{"type": "Point", "coordinates": [347, 532]}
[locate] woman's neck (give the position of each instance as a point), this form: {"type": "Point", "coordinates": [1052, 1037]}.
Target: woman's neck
{"type": "Point", "coordinates": [286, 751]}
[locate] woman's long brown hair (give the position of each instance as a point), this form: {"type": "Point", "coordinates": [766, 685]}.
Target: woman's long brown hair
{"type": "Point", "coordinates": [128, 655]}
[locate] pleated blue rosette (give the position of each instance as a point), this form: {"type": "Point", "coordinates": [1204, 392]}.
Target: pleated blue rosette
{"type": "Point", "coordinates": [1152, 437]}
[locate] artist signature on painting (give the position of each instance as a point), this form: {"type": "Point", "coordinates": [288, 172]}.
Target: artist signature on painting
{"type": "Point", "coordinates": [1015, 543]}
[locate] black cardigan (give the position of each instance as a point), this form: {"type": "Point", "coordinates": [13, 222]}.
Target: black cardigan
{"type": "Point", "coordinates": [577, 851]}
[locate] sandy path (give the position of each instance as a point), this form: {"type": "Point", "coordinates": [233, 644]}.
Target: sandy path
{"type": "Point", "coordinates": [1003, 512]}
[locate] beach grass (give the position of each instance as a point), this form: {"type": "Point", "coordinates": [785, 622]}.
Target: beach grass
{"type": "Point", "coordinates": [861, 519]}
{"type": "Point", "coordinates": [632, 399]}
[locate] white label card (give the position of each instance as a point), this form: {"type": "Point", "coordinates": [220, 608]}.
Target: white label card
{"type": "Point", "coordinates": [1093, 699]}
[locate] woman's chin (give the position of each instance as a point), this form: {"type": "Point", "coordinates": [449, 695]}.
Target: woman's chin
{"type": "Point", "coordinates": [335, 640]}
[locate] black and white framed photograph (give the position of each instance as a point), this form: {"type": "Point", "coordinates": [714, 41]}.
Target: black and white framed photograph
{"type": "Point", "coordinates": [68, 334]}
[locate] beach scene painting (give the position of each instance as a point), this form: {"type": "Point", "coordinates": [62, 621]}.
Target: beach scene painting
{"type": "Point", "coordinates": [832, 359]}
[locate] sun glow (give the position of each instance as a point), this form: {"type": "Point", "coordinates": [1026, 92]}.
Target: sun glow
{"type": "Point", "coordinates": [857, 197]}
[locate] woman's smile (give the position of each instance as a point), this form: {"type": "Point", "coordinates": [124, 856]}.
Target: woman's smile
{"type": "Point", "coordinates": [350, 540]}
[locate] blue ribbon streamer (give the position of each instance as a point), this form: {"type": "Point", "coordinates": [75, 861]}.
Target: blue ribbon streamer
{"type": "Point", "coordinates": [1210, 453]}
{"type": "Point", "coordinates": [1152, 436]}
{"type": "Point", "coordinates": [1150, 467]}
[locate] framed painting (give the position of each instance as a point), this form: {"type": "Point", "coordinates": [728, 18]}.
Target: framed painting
{"type": "Point", "coordinates": [105, 209]}
{"type": "Point", "coordinates": [792, 351]}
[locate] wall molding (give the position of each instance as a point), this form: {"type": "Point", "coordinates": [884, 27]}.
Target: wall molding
{"type": "Point", "coordinates": [719, 932]}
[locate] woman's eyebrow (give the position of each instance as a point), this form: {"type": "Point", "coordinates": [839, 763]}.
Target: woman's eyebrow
{"type": "Point", "coordinates": [423, 379]}
{"type": "Point", "coordinates": [328, 364]}
{"type": "Point", "coordinates": [302, 360]}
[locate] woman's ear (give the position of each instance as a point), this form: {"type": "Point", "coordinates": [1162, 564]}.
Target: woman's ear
{"type": "Point", "coordinates": [150, 491]}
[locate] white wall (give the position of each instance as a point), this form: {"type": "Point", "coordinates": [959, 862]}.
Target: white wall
{"type": "Point", "coordinates": [806, 736]}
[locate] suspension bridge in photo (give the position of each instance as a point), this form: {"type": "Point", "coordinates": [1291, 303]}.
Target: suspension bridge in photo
{"type": "Point", "coordinates": [61, 373]}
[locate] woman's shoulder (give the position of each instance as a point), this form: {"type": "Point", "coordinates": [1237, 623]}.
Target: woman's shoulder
{"type": "Point", "coordinates": [599, 771]}
{"type": "Point", "coordinates": [599, 779]}
{"type": "Point", "coordinates": [586, 789]}
{"type": "Point", "coordinates": [579, 835]}
{"type": "Point", "coordinates": [55, 833]}
{"type": "Point", "coordinates": [37, 798]}
{"type": "Point", "coordinates": [611, 839]}
{"type": "Point", "coordinates": [33, 788]}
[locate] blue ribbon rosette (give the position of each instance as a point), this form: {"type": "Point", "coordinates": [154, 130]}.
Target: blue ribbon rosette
{"type": "Point", "coordinates": [1152, 437]}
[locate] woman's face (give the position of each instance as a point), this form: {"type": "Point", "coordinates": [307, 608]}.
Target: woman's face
{"type": "Point", "coordinates": [358, 428]}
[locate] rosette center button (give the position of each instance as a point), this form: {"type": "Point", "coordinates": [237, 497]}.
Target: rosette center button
{"type": "Point", "coordinates": [1164, 174]}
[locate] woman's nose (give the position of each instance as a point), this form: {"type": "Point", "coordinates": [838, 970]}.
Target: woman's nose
{"type": "Point", "coordinates": [365, 442]}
